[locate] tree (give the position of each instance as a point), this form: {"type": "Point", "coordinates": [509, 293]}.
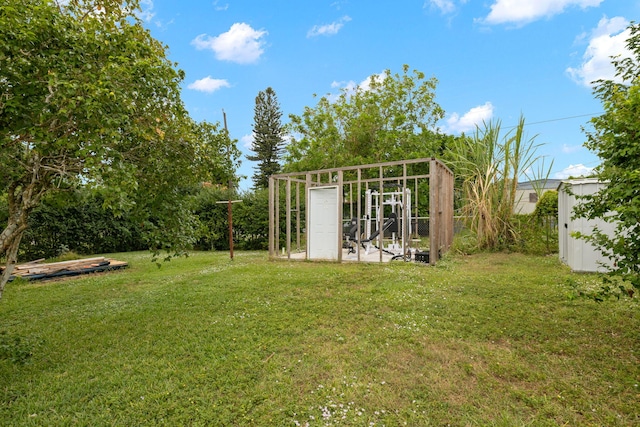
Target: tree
{"type": "Point", "coordinates": [253, 220]}
{"type": "Point", "coordinates": [213, 228]}
{"type": "Point", "coordinates": [545, 216]}
{"type": "Point", "coordinates": [88, 97]}
{"type": "Point", "coordinates": [268, 137]}
{"type": "Point", "coordinates": [616, 140]}
{"type": "Point", "coordinates": [216, 155]}
{"type": "Point", "coordinates": [393, 117]}
{"type": "Point", "coordinates": [76, 221]}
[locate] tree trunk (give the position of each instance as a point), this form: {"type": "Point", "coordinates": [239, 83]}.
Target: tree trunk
{"type": "Point", "coordinates": [8, 234]}
{"type": "Point", "coordinates": [12, 235]}
{"type": "Point", "coordinates": [12, 259]}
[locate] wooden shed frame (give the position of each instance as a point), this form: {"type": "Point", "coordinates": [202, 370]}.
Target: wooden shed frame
{"type": "Point", "coordinates": [414, 173]}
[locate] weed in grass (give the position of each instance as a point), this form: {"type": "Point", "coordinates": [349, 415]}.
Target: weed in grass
{"type": "Point", "coordinates": [598, 287]}
{"type": "Point", "coordinates": [15, 348]}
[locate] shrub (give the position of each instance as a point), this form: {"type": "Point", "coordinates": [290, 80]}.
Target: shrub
{"type": "Point", "coordinates": [77, 222]}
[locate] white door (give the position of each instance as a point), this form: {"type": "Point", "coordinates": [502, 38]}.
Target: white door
{"type": "Point", "coordinates": [564, 217]}
{"type": "Point", "coordinates": [323, 238]}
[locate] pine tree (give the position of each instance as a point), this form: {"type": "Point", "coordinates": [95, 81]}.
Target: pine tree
{"type": "Point", "coordinates": [268, 137]}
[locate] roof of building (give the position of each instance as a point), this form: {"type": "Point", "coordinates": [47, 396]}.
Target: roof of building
{"type": "Point", "coordinates": [546, 184]}
{"type": "Point", "coordinates": [580, 181]}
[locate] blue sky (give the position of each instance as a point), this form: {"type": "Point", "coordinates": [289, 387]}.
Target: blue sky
{"type": "Point", "coordinates": [494, 59]}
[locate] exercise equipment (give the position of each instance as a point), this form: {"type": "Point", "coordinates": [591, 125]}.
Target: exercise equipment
{"type": "Point", "coordinates": [367, 243]}
{"type": "Point", "coordinates": [396, 221]}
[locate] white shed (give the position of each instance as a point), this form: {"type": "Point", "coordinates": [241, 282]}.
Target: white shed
{"type": "Point", "coordinates": [579, 254]}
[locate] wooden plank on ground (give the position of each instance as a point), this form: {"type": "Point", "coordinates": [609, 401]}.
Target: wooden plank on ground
{"type": "Point", "coordinates": [37, 270]}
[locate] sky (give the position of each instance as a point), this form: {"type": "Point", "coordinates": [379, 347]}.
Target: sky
{"type": "Point", "coordinates": [493, 59]}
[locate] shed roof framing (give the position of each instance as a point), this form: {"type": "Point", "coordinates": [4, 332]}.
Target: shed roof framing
{"type": "Point", "coordinates": [356, 179]}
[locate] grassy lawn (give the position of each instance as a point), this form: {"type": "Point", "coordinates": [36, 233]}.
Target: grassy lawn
{"type": "Point", "coordinates": [491, 339]}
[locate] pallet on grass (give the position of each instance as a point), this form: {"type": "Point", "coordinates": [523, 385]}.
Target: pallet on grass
{"type": "Point", "coordinates": [37, 270]}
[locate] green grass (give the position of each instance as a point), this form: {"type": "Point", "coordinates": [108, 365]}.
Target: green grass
{"type": "Point", "coordinates": [490, 339]}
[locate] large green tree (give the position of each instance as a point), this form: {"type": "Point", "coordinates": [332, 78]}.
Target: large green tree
{"type": "Point", "coordinates": [616, 140]}
{"type": "Point", "coordinates": [89, 97]}
{"type": "Point", "coordinates": [268, 137]}
{"type": "Point", "coordinates": [393, 117]}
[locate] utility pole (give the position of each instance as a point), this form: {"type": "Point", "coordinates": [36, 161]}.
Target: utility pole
{"type": "Point", "coordinates": [230, 188]}
{"type": "Point", "coordinates": [230, 219]}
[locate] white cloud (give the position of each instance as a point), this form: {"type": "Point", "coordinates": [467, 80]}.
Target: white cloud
{"type": "Point", "coordinates": [208, 84]}
{"type": "Point", "coordinates": [328, 29]}
{"type": "Point", "coordinates": [524, 11]}
{"type": "Point", "coordinates": [366, 83]}
{"type": "Point", "coordinates": [472, 118]}
{"type": "Point", "coordinates": [247, 141]}
{"type": "Point", "coordinates": [445, 6]}
{"type": "Point", "coordinates": [146, 13]}
{"type": "Point", "coordinates": [220, 7]}
{"type": "Point", "coordinates": [569, 149]}
{"type": "Point", "coordinates": [350, 86]}
{"type": "Point", "coordinates": [241, 44]}
{"type": "Point", "coordinates": [608, 39]}
{"type": "Point", "coordinates": [574, 171]}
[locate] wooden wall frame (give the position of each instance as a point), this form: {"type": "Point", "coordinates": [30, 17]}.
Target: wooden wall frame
{"type": "Point", "coordinates": [414, 174]}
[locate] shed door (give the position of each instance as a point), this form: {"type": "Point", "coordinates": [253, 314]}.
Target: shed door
{"type": "Point", "coordinates": [564, 218]}
{"type": "Point", "coordinates": [323, 239]}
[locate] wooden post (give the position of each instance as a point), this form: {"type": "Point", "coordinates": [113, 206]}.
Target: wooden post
{"type": "Point", "coordinates": [359, 214]}
{"type": "Point", "coordinates": [277, 217]}
{"type": "Point", "coordinates": [380, 211]}
{"type": "Point", "coordinates": [415, 201]}
{"type": "Point", "coordinates": [406, 216]}
{"type": "Point", "coordinates": [271, 218]}
{"type": "Point", "coordinates": [288, 218]}
{"type": "Point", "coordinates": [298, 216]}
{"type": "Point", "coordinates": [340, 212]}
{"type": "Point", "coordinates": [230, 220]}
{"type": "Point", "coordinates": [448, 207]}
{"type": "Point", "coordinates": [306, 213]}
{"type": "Point", "coordinates": [433, 213]}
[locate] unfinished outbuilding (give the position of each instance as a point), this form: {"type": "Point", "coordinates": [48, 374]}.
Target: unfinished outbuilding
{"type": "Point", "coordinates": [379, 212]}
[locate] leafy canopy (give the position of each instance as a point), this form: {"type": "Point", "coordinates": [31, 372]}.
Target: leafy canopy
{"type": "Point", "coordinates": [392, 118]}
{"type": "Point", "coordinates": [89, 97]}
{"type": "Point", "coordinates": [616, 140]}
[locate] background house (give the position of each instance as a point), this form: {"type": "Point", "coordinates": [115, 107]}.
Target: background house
{"type": "Point", "coordinates": [527, 196]}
